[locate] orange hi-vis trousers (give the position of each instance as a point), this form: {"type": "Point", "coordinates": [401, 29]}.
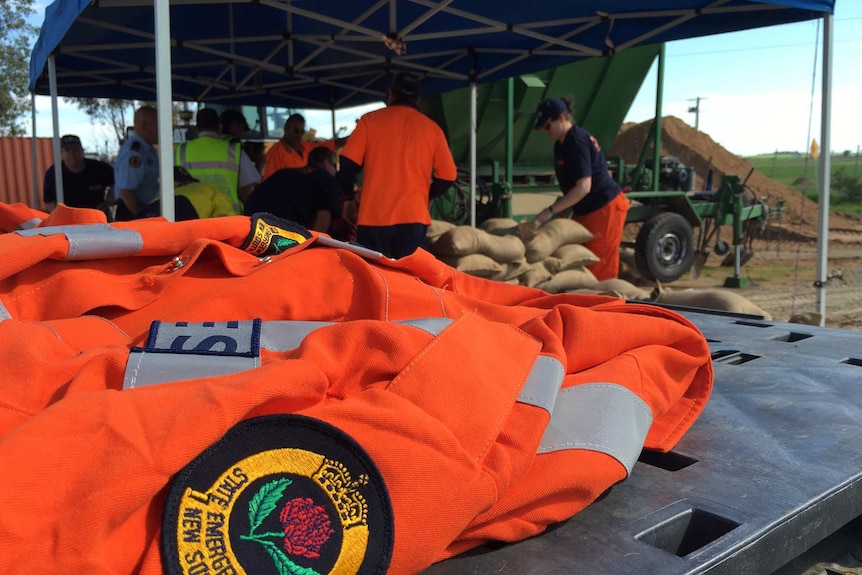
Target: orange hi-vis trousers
{"type": "Point", "coordinates": [607, 225]}
{"type": "Point", "coordinates": [483, 406]}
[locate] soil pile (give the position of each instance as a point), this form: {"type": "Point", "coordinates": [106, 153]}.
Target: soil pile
{"type": "Point", "coordinates": [698, 150]}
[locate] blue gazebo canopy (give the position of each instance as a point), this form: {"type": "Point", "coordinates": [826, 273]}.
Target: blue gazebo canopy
{"type": "Point", "coordinates": [340, 53]}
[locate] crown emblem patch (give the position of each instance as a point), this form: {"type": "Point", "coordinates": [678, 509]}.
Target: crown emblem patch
{"type": "Point", "coordinates": [281, 495]}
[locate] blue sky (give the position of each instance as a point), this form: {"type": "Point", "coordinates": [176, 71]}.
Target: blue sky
{"type": "Point", "coordinates": [755, 89]}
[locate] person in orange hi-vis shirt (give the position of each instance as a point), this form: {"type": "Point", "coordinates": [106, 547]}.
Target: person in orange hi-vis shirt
{"type": "Point", "coordinates": [239, 395]}
{"type": "Point", "coordinates": [405, 160]}
{"type": "Point", "coordinates": [291, 151]}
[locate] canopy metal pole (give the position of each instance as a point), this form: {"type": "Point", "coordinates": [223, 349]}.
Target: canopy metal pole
{"type": "Point", "coordinates": [474, 95]}
{"type": "Point", "coordinates": [333, 124]}
{"type": "Point", "coordinates": [659, 96]}
{"type": "Point", "coordinates": [164, 107]}
{"type": "Point", "coordinates": [332, 111]}
{"type": "Point", "coordinates": [35, 151]}
{"type": "Point", "coordinates": [55, 119]}
{"type": "Point", "coordinates": [825, 167]}
{"type": "Point", "coordinates": [510, 133]}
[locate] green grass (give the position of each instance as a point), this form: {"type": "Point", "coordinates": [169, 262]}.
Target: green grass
{"type": "Point", "coordinates": [789, 169]}
{"type": "Point", "coordinates": [762, 271]}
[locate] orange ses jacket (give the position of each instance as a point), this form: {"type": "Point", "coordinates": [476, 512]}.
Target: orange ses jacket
{"type": "Point", "coordinates": [240, 396]}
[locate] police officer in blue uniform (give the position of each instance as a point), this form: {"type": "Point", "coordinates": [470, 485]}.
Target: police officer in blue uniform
{"type": "Point", "coordinates": [136, 168]}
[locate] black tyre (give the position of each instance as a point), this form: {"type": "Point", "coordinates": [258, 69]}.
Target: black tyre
{"type": "Point", "coordinates": [664, 249]}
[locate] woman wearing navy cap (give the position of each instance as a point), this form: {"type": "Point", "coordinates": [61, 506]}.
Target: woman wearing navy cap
{"type": "Point", "coordinates": [594, 197]}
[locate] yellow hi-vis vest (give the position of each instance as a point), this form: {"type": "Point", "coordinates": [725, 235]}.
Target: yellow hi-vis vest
{"type": "Point", "coordinates": [214, 161]}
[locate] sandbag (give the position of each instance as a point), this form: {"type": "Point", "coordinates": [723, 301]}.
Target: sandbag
{"type": "Point", "coordinates": [466, 240]}
{"type": "Point", "coordinates": [438, 228]}
{"type": "Point", "coordinates": [569, 280]}
{"type": "Point", "coordinates": [710, 298]}
{"type": "Point", "coordinates": [512, 271]}
{"type": "Point", "coordinates": [535, 275]}
{"type": "Point", "coordinates": [500, 226]}
{"type": "Point", "coordinates": [478, 265]}
{"type": "Point", "coordinates": [570, 256]}
{"type": "Point", "coordinates": [552, 235]}
{"type": "Point", "coordinates": [628, 267]}
{"type": "Point", "coordinates": [621, 288]}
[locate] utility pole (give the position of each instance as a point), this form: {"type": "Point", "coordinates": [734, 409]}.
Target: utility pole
{"type": "Point", "coordinates": [696, 111]}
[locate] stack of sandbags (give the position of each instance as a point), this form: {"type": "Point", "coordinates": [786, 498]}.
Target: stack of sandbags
{"type": "Point", "coordinates": [551, 257]}
{"type": "Point", "coordinates": [480, 253]}
{"type": "Point", "coordinates": [557, 256]}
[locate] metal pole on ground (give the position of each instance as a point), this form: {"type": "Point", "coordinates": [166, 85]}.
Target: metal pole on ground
{"type": "Point", "coordinates": [659, 95]}
{"type": "Point", "coordinates": [165, 107]}
{"type": "Point", "coordinates": [34, 152]}
{"type": "Point", "coordinates": [474, 94]}
{"type": "Point", "coordinates": [55, 119]}
{"type": "Point", "coordinates": [824, 175]}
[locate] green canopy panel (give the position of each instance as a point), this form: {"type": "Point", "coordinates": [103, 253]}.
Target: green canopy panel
{"type": "Point", "coordinates": [602, 90]}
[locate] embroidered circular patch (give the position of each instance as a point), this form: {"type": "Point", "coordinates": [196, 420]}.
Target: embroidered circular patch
{"type": "Point", "coordinates": [280, 495]}
{"type": "Point", "coordinates": [134, 161]}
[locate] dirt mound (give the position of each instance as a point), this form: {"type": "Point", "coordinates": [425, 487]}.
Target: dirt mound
{"type": "Point", "coordinates": [697, 149]}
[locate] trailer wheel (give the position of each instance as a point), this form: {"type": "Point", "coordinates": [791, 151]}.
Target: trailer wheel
{"type": "Point", "coordinates": [664, 249]}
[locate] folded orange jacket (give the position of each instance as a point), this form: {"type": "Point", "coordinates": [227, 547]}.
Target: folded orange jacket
{"type": "Point", "coordinates": [238, 395]}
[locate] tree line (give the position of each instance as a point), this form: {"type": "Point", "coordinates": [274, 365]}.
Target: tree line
{"type": "Point", "coordinates": [17, 36]}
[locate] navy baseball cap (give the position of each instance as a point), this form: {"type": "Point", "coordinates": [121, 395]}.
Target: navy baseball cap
{"type": "Point", "coordinates": [549, 109]}
{"type": "Point", "coordinates": [70, 140]}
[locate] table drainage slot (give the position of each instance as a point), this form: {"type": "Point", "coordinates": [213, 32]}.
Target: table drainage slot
{"type": "Point", "coordinates": [670, 461]}
{"type": "Point", "coordinates": [732, 357]}
{"type": "Point", "coordinates": [686, 532]}
{"type": "Point", "coordinates": [752, 324]}
{"type": "Point", "coordinates": [792, 337]}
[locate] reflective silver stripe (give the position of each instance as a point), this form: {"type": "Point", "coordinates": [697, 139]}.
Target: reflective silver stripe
{"type": "Point", "coordinates": [144, 368]}
{"type": "Point", "coordinates": [4, 313]}
{"type": "Point", "coordinates": [361, 251]}
{"type": "Point", "coordinates": [603, 417]}
{"type": "Point", "coordinates": [93, 241]}
{"type": "Point", "coordinates": [210, 166]}
{"type": "Point", "coordinates": [432, 325]}
{"type": "Point", "coordinates": [182, 350]}
{"type": "Point", "coordinates": [29, 224]}
{"type": "Point", "coordinates": [543, 384]}
{"type": "Point", "coordinates": [287, 335]}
